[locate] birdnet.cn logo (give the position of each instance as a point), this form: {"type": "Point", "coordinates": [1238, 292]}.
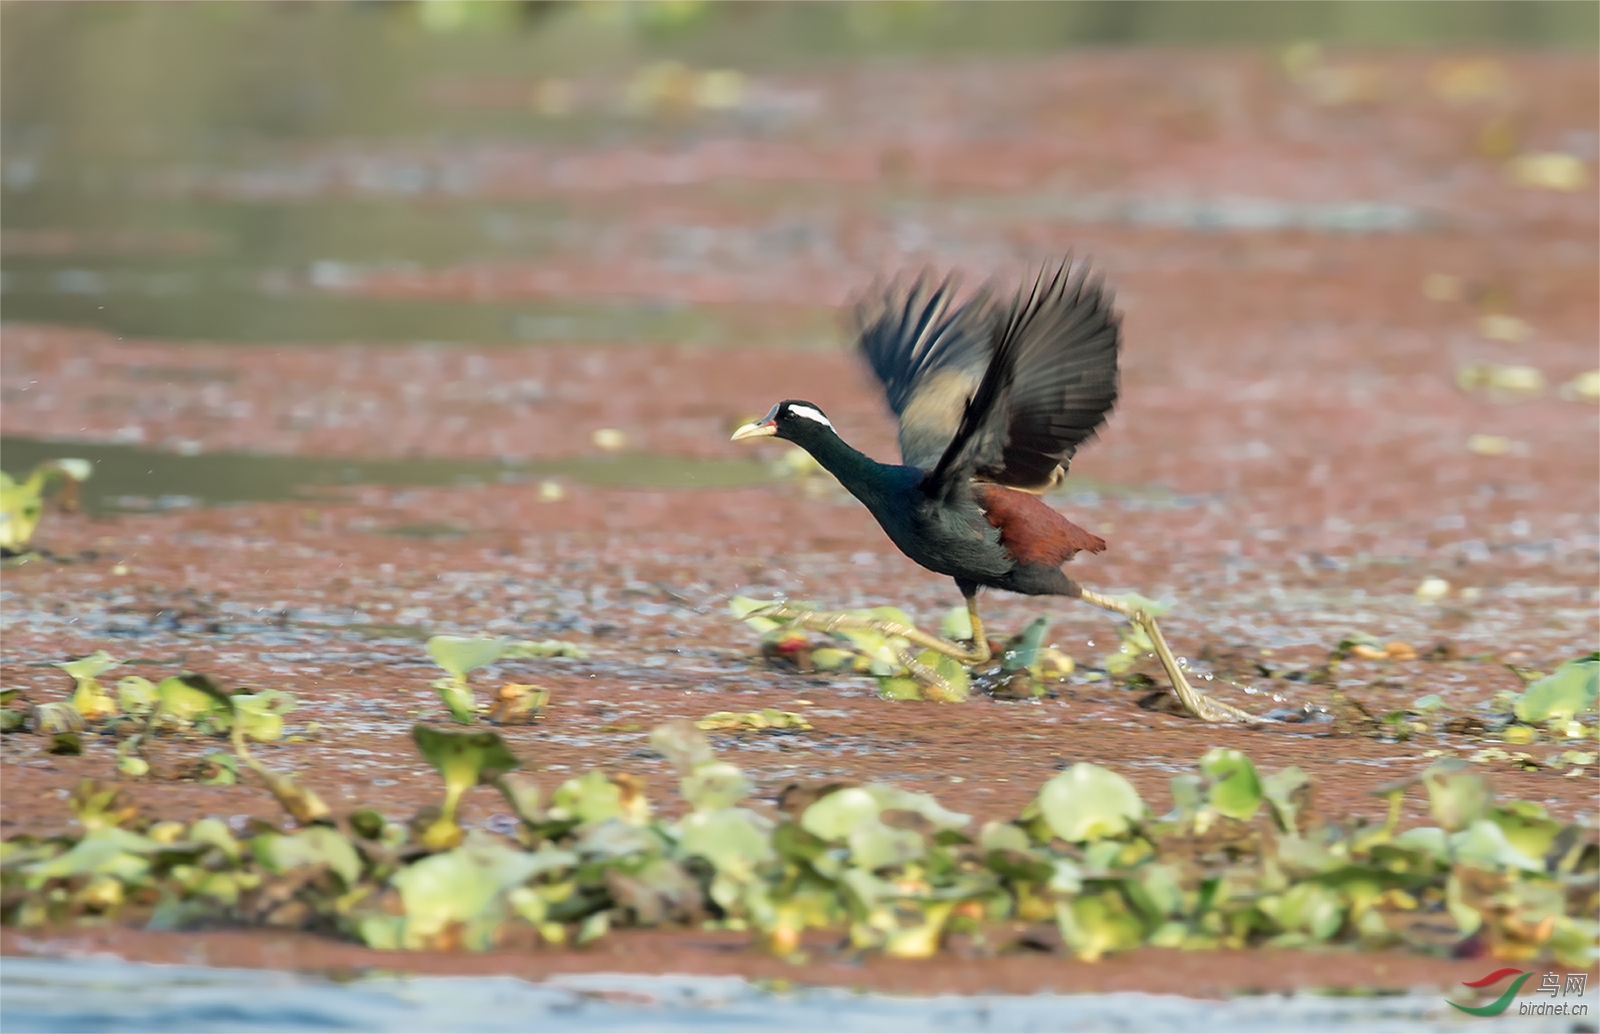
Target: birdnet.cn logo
{"type": "Point", "coordinates": [1552, 984]}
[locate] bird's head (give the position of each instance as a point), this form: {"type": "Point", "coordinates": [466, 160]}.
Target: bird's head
{"type": "Point", "coordinates": [791, 420]}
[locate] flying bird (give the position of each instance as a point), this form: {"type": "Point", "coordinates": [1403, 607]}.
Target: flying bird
{"type": "Point", "coordinates": [993, 400]}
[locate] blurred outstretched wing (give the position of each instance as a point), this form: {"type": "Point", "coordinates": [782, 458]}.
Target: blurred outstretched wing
{"type": "Point", "coordinates": [1050, 381]}
{"type": "Point", "coordinates": [930, 355]}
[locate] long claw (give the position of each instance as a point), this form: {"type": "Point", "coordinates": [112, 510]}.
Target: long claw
{"type": "Point", "coordinates": [1197, 703]}
{"type": "Point", "coordinates": [830, 621]}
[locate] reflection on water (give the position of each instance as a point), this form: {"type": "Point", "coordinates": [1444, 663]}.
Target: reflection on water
{"type": "Point", "coordinates": [128, 478]}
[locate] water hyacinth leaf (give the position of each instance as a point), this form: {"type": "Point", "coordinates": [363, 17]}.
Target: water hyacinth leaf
{"type": "Point", "coordinates": [463, 759]}
{"type": "Point", "coordinates": [128, 762]}
{"type": "Point", "coordinates": [833, 816]}
{"type": "Point", "coordinates": [220, 768]}
{"type": "Point", "coordinates": [260, 715]}
{"type": "Point", "coordinates": [1430, 841]}
{"type": "Point", "coordinates": [921, 941]}
{"type": "Point", "coordinates": [457, 698]}
{"type": "Point", "coordinates": [318, 846]}
{"type": "Point", "coordinates": [715, 784]}
{"type": "Point", "coordinates": [12, 721]}
{"type": "Point", "coordinates": [951, 682]}
{"type": "Point", "coordinates": [1003, 836]}
{"type": "Point", "coordinates": [1527, 827]}
{"type": "Point", "coordinates": [1088, 802]}
{"type": "Point", "coordinates": [527, 649]}
{"type": "Point", "coordinates": [1235, 789]}
{"type": "Point", "coordinates": [745, 609]}
{"type": "Point", "coordinates": [92, 666]}
{"type": "Point", "coordinates": [523, 795]}
{"type": "Point", "coordinates": [957, 625]}
{"type": "Point", "coordinates": [900, 687]}
{"type": "Point", "coordinates": [95, 853]}
{"type": "Point", "coordinates": [766, 718]}
{"type": "Point", "coordinates": [460, 654]}
{"type": "Point", "coordinates": [1457, 797]}
{"type": "Point", "coordinates": [216, 833]}
{"type": "Point", "coordinates": [1312, 909]}
{"type": "Point", "coordinates": [136, 694]}
{"type": "Point", "coordinates": [682, 743]}
{"type": "Point", "coordinates": [893, 798]}
{"type": "Point", "coordinates": [830, 658]}
{"type": "Point", "coordinates": [1568, 691]}
{"type": "Point", "coordinates": [190, 697]}
{"type": "Point", "coordinates": [22, 503]}
{"type": "Point", "coordinates": [1280, 789]}
{"type": "Point", "coordinates": [91, 700]}
{"type": "Point", "coordinates": [736, 841]}
{"type": "Point", "coordinates": [1022, 650]}
{"type": "Point", "coordinates": [1093, 925]}
{"type": "Point", "coordinates": [1484, 845]}
{"type": "Point", "coordinates": [591, 797]}
{"type": "Point", "coordinates": [875, 846]}
{"type": "Point", "coordinates": [459, 886]}
{"type": "Point", "coordinates": [66, 744]}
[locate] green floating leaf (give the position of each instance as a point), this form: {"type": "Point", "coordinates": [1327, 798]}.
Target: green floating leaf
{"type": "Point", "coordinates": [458, 698]}
{"type": "Point", "coordinates": [136, 694]}
{"type": "Point", "coordinates": [954, 681]}
{"type": "Point", "coordinates": [1484, 845]}
{"type": "Point", "coordinates": [715, 784]}
{"type": "Point", "coordinates": [736, 841]}
{"type": "Point", "coordinates": [1095, 925]}
{"type": "Point", "coordinates": [22, 504]}
{"type": "Point", "coordinates": [683, 743]}
{"type": "Point", "coordinates": [1022, 652]}
{"type": "Point", "coordinates": [92, 666]}
{"type": "Point", "coordinates": [464, 759]}
{"type": "Point", "coordinates": [1568, 691]}
{"type": "Point", "coordinates": [1088, 802]}
{"type": "Point", "coordinates": [744, 608]}
{"type": "Point", "coordinates": [893, 798]}
{"type": "Point", "coordinates": [901, 687]}
{"type": "Point", "coordinates": [834, 815]}
{"type": "Point", "coordinates": [189, 697]}
{"type": "Point", "coordinates": [1457, 797]}
{"type": "Point", "coordinates": [1279, 789]}
{"type": "Point", "coordinates": [874, 845]}
{"type": "Point", "coordinates": [526, 649]}
{"type": "Point", "coordinates": [461, 654]}
{"type": "Point", "coordinates": [468, 886]}
{"type": "Point", "coordinates": [957, 625]}
{"type": "Point", "coordinates": [260, 715]}
{"type": "Point", "coordinates": [1235, 789]}
{"type": "Point", "coordinates": [1527, 827]}
{"type": "Point", "coordinates": [591, 797]}
{"type": "Point", "coordinates": [318, 846]}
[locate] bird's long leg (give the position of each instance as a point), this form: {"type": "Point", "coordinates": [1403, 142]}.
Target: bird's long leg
{"type": "Point", "coordinates": [1197, 703]}
{"type": "Point", "coordinates": [980, 642]}
{"type": "Point", "coordinates": [832, 621]}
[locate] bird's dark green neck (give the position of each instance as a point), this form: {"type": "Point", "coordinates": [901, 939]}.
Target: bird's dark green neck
{"type": "Point", "coordinates": [866, 478]}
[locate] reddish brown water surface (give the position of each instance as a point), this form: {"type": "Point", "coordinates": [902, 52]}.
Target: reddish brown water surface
{"type": "Point", "coordinates": [1289, 461]}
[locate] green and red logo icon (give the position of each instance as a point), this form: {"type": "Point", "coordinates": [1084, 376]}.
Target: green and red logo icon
{"type": "Point", "coordinates": [1501, 1004]}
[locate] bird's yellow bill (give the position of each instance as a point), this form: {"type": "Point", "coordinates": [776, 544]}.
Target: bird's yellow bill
{"type": "Point", "coordinates": [757, 429]}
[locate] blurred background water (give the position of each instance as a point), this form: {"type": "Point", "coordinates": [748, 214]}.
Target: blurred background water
{"type": "Point", "coordinates": [244, 171]}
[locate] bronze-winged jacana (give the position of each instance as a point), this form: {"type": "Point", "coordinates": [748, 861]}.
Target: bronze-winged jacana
{"type": "Point", "coordinates": [993, 400]}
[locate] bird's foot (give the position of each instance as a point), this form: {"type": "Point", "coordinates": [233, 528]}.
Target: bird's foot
{"type": "Point", "coordinates": [839, 620]}
{"type": "Point", "coordinates": [1195, 702]}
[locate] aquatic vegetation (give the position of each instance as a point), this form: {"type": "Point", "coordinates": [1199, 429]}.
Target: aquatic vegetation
{"type": "Point", "coordinates": [461, 655]}
{"type": "Point", "coordinates": [1084, 869]}
{"type": "Point", "coordinates": [22, 502]}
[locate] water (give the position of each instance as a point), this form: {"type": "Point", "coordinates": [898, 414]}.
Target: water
{"type": "Point", "coordinates": [132, 479]}
{"type": "Point", "coordinates": [99, 994]}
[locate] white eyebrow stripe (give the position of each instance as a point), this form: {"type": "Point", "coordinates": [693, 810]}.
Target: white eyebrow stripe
{"type": "Point", "coordinates": [810, 414]}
